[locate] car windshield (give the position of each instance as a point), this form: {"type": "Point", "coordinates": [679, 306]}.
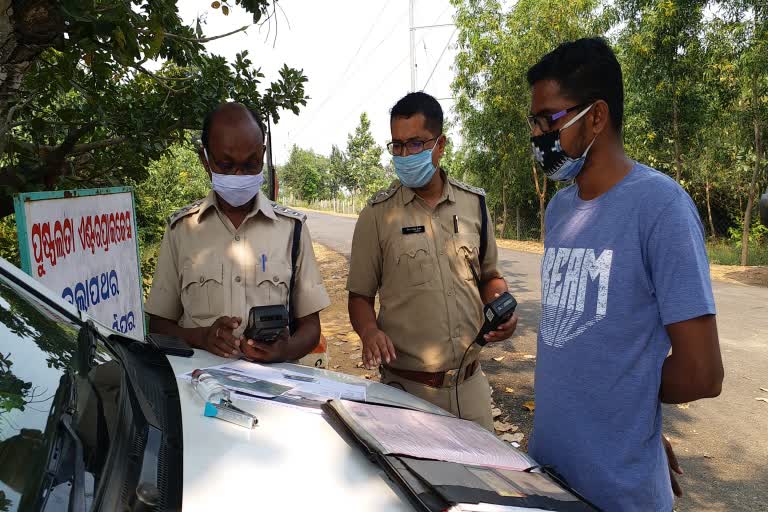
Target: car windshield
{"type": "Point", "coordinates": [38, 350]}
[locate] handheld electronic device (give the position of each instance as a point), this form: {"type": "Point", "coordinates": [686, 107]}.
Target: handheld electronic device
{"type": "Point", "coordinates": [496, 313]}
{"type": "Point", "coordinates": [265, 323]}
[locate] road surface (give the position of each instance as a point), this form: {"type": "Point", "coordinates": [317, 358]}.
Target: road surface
{"type": "Point", "coordinates": [722, 443]}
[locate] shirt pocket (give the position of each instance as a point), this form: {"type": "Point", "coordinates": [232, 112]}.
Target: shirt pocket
{"type": "Point", "coordinates": [272, 283]}
{"type": "Point", "coordinates": [467, 255]}
{"type": "Point", "coordinates": [202, 290]}
{"type": "Point", "coordinates": [414, 260]}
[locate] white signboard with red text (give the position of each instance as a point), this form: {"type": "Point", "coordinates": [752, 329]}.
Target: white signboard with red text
{"type": "Point", "coordinates": [83, 245]}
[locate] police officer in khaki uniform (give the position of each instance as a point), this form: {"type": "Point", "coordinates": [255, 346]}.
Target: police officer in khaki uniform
{"type": "Point", "coordinates": [420, 245]}
{"type": "Point", "coordinates": [233, 250]}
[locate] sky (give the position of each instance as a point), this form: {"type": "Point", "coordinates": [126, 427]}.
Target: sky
{"type": "Point", "coordinates": [355, 54]}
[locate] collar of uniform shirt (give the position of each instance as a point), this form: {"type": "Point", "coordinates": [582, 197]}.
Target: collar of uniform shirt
{"type": "Point", "coordinates": [261, 204]}
{"type": "Point", "coordinates": [409, 194]}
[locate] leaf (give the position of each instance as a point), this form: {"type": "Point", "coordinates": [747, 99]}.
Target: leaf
{"type": "Point", "coordinates": [530, 405]}
{"type": "Point", "coordinates": [529, 356]}
{"type": "Point", "coordinates": [502, 426]}
{"type": "Point", "coordinates": [498, 359]}
{"type": "Point", "coordinates": [359, 365]}
{"type": "Point", "coordinates": [683, 406]}
{"type": "Point", "coordinates": [336, 367]}
{"type": "Point", "coordinates": [225, 10]}
{"type": "Point", "coordinates": [216, 5]}
{"type": "Point", "coordinates": [513, 438]}
{"type": "Point", "coordinates": [509, 390]}
{"type": "Point", "coordinates": [496, 412]}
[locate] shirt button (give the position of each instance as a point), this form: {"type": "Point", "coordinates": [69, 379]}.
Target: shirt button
{"type": "Point", "coordinates": [450, 293]}
{"type": "Point", "coordinates": [237, 279]}
{"type": "Point", "coordinates": [237, 238]}
{"type": "Point", "coordinates": [276, 279]}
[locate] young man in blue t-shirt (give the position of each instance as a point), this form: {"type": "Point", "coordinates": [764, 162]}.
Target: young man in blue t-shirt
{"type": "Point", "coordinates": [624, 278]}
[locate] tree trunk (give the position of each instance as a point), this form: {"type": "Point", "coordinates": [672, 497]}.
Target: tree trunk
{"type": "Point", "coordinates": [676, 135]}
{"type": "Point", "coordinates": [26, 29]}
{"type": "Point", "coordinates": [709, 209]}
{"type": "Point", "coordinates": [541, 191]}
{"type": "Point", "coordinates": [503, 208]}
{"type": "Point", "coordinates": [758, 164]}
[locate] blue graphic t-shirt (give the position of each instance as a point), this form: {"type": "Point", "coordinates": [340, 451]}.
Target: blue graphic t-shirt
{"type": "Point", "coordinates": [615, 271]}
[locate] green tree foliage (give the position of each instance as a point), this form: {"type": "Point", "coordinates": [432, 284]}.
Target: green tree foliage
{"type": "Point", "coordinates": [696, 97]}
{"type": "Point", "coordinates": [338, 176]}
{"type": "Point", "coordinates": [306, 174]}
{"type": "Point", "coordinates": [80, 105]}
{"type": "Point", "coordinates": [661, 52]}
{"type": "Point", "coordinates": [366, 175]}
{"type": "Point", "coordinates": [496, 48]}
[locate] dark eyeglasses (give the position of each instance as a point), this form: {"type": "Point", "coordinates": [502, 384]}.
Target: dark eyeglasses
{"type": "Point", "coordinates": [251, 167]}
{"type": "Point", "coordinates": [547, 122]}
{"type": "Point", "coordinates": [412, 147]}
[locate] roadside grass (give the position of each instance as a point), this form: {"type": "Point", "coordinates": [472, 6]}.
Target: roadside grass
{"type": "Point", "coordinates": [722, 252]}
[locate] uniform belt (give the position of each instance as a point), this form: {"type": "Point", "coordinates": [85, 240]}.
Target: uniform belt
{"type": "Point", "coordinates": [437, 379]}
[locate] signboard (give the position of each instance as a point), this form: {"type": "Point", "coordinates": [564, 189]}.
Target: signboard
{"type": "Point", "coordinates": [83, 245]}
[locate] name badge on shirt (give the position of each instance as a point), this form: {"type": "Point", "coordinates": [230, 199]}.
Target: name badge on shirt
{"type": "Point", "coordinates": [411, 230]}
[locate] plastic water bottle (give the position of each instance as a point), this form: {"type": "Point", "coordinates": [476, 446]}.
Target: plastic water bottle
{"type": "Point", "coordinates": [209, 389]}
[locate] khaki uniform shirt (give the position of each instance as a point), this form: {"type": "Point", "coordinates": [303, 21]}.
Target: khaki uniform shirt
{"type": "Point", "coordinates": [207, 269]}
{"type": "Point", "coordinates": [430, 305]}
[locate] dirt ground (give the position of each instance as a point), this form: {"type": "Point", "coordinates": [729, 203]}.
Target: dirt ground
{"type": "Point", "coordinates": [512, 391]}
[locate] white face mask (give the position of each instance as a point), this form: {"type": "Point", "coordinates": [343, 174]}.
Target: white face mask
{"type": "Point", "coordinates": [235, 189]}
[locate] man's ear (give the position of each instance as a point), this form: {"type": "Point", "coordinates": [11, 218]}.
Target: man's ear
{"type": "Point", "coordinates": [441, 142]}
{"type": "Point", "coordinates": [601, 117]}
{"type": "Point", "coordinates": [204, 160]}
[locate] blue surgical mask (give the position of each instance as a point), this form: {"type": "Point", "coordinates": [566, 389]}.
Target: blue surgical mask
{"type": "Point", "coordinates": [415, 171]}
{"type": "Point", "coordinates": [551, 157]}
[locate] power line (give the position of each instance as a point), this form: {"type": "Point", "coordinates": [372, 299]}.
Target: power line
{"type": "Point", "coordinates": [334, 91]}
{"type": "Point", "coordinates": [352, 60]}
{"type": "Point", "coordinates": [440, 57]}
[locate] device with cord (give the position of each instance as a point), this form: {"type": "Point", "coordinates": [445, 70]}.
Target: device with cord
{"type": "Point", "coordinates": [495, 313]}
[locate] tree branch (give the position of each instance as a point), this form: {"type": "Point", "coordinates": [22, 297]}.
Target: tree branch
{"type": "Point", "coordinates": [205, 39]}
{"type": "Point", "coordinates": [77, 149]}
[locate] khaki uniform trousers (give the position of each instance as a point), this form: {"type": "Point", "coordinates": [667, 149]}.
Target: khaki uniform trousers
{"type": "Point", "coordinates": [474, 396]}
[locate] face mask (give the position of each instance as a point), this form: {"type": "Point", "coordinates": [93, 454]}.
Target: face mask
{"type": "Point", "coordinates": [555, 163]}
{"type": "Point", "coordinates": [415, 171]}
{"type": "Point", "coordinates": [235, 189]}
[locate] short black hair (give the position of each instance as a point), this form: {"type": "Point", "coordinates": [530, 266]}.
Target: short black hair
{"type": "Point", "coordinates": [209, 117]}
{"type": "Point", "coordinates": [586, 70]}
{"type": "Point", "coordinates": [420, 103]}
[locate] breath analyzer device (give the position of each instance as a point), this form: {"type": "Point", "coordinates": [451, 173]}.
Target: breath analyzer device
{"type": "Point", "coordinates": [265, 323]}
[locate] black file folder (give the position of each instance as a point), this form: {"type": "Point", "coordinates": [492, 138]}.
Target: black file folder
{"type": "Point", "coordinates": [437, 486]}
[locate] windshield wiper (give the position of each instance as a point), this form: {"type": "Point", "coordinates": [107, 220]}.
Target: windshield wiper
{"type": "Point", "coordinates": [77, 494]}
{"type": "Point", "coordinates": [65, 466]}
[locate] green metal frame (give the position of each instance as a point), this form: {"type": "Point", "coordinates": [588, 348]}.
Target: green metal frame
{"type": "Point", "coordinates": [19, 200]}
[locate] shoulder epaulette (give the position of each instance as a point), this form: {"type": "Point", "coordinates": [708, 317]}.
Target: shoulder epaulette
{"type": "Point", "coordinates": [288, 212]}
{"type": "Point", "coordinates": [468, 188]}
{"type": "Point", "coordinates": [183, 212]}
{"type": "Point", "coordinates": [384, 194]}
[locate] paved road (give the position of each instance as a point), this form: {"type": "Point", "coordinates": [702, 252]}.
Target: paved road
{"type": "Point", "coordinates": [722, 443]}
